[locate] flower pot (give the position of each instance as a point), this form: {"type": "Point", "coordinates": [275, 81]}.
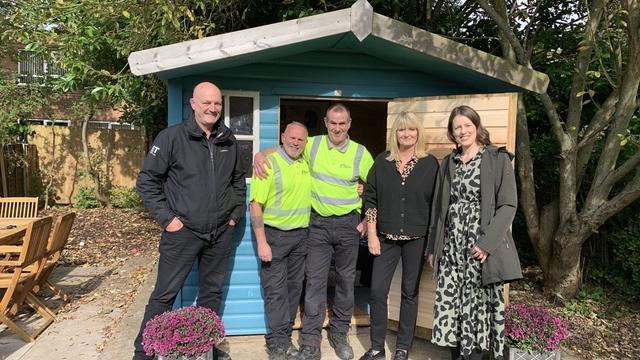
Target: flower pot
{"type": "Point", "coordinates": [517, 354]}
{"type": "Point", "coordinates": [206, 356]}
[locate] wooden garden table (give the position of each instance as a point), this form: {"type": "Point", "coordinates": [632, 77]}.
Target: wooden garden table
{"type": "Point", "coordinates": [13, 236]}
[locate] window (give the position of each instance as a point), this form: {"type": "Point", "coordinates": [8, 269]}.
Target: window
{"type": "Point", "coordinates": [241, 111]}
{"type": "Point", "coordinates": [106, 125]}
{"type": "Point", "coordinates": [36, 69]}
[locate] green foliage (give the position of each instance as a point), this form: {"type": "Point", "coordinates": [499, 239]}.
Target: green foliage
{"type": "Point", "coordinates": [621, 267]}
{"type": "Point", "coordinates": [125, 197]}
{"type": "Point", "coordinates": [594, 302]}
{"type": "Point", "coordinates": [31, 99]}
{"type": "Point", "coordinates": [87, 199]}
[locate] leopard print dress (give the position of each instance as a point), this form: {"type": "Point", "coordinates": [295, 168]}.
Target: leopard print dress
{"type": "Point", "coordinates": [466, 313]}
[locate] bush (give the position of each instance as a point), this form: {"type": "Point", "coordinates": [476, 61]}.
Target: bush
{"type": "Point", "coordinates": [87, 199]}
{"type": "Point", "coordinates": [615, 258]}
{"type": "Point", "coordinates": [125, 198]}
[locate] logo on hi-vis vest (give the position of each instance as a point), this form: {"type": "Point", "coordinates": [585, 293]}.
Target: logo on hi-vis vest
{"type": "Point", "coordinates": [154, 150]}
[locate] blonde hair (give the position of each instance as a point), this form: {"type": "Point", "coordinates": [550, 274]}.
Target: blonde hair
{"type": "Point", "coordinates": [406, 120]}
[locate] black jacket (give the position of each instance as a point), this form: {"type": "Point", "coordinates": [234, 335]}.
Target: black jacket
{"type": "Point", "coordinates": [498, 204]}
{"type": "Point", "coordinates": [402, 209]}
{"type": "Point", "coordinates": [198, 180]}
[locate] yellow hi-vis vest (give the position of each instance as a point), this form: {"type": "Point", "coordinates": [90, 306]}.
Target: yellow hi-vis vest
{"type": "Point", "coordinates": [285, 194]}
{"type": "Point", "coordinates": [334, 175]}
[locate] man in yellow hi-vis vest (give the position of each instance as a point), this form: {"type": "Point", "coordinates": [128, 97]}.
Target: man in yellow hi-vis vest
{"type": "Point", "coordinates": [280, 207]}
{"type": "Point", "coordinates": [336, 164]}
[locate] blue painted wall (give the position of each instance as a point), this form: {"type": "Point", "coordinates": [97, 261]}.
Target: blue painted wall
{"type": "Point", "coordinates": [317, 74]}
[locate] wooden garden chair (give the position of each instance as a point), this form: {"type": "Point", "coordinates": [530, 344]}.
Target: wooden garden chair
{"type": "Point", "coordinates": [18, 207]}
{"type": "Point", "coordinates": [17, 282]}
{"type": "Point", "coordinates": [56, 244]}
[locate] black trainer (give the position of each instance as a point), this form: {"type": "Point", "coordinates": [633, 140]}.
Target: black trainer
{"type": "Point", "coordinates": [220, 355]}
{"type": "Point", "coordinates": [276, 352]}
{"type": "Point", "coordinates": [401, 355]}
{"type": "Point", "coordinates": [308, 352]}
{"type": "Point", "coordinates": [369, 355]}
{"type": "Point", "coordinates": [340, 344]}
{"type": "Point", "coordinates": [292, 351]}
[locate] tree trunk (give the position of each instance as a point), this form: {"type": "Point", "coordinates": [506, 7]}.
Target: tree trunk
{"type": "Point", "coordinates": [47, 190]}
{"type": "Point", "coordinates": [563, 276]}
{"type": "Point", "coordinates": [91, 169]}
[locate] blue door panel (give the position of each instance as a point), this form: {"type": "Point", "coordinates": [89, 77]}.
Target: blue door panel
{"type": "Point", "coordinates": [244, 307]}
{"type": "Point", "coordinates": [246, 262]}
{"type": "Point", "coordinates": [245, 325]}
{"type": "Point", "coordinates": [243, 277]}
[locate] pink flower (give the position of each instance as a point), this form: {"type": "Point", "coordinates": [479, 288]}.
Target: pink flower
{"type": "Point", "coordinates": [187, 331]}
{"type": "Point", "coordinates": [533, 328]}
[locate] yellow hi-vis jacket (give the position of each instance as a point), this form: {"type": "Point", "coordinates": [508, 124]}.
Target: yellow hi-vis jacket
{"type": "Point", "coordinates": [285, 194]}
{"type": "Point", "coordinates": [335, 173]}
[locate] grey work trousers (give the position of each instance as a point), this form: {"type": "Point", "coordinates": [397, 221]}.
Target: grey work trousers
{"type": "Point", "coordinates": [328, 236]}
{"type": "Point", "coordinates": [281, 280]}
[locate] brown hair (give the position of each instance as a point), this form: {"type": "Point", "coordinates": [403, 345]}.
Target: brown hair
{"type": "Point", "coordinates": [482, 134]}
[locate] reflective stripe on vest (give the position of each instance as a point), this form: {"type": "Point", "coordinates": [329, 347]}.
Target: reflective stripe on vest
{"type": "Point", "coordinates": [332, 179]}
{"type": "Point", "coordinates": [290, 212]}
{"type": "Point", "coordinates": [335, 201]}
{"type": "Point", "coordinates": [279, 187]}
{"type": "Point", "coordinates": [277, 209]}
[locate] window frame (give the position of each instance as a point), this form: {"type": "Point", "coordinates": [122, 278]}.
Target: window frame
{"type": "Point", "coordinates": [255, 138]}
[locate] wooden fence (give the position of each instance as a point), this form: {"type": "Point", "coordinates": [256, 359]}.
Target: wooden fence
{"type": "Point", "coordinates": [19, 170]}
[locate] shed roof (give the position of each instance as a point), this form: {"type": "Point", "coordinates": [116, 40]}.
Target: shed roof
{"type": "Point", "coordinates": [356, 29]}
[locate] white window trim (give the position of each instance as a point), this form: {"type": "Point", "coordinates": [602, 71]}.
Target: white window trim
{"type": "Point", "coordinates": [226, 94]}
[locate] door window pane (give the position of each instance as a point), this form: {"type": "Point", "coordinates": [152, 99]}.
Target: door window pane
{"type": "Point", "coordinates": [245, 151]}
{"type": "Point", "coordinates": [241, 115]}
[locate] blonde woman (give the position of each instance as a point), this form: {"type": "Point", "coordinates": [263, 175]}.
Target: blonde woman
{"type": "Point", "coordinates": [397, 205]}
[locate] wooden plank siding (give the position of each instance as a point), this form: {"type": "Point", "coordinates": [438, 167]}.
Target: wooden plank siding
{"type": "Point", "coordinates": [498, 114]}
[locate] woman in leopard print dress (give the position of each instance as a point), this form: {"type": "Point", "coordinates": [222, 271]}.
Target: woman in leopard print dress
{"type": "Point", "coordinates": [469, 242]}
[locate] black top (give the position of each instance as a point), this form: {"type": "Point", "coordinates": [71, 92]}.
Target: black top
{"type": "Point", "coordinates": [199, 180]}
{"type": "Point", "coordinates": [403, 207]}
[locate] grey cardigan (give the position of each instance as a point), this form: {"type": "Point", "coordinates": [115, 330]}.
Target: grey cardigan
{"type": "Point", "coordinates": [498, 204]}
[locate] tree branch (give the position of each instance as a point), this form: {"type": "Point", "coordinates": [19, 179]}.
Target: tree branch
{"type": "Point", "coordinates": [583, 60]}
{"type": "Point", "coordinates": [523, 59]}
{"type": "Point", "coordinates": [625, 108]}
{"type": "Point", "coordinates": [623, 170]}
{"type": "Point", "coordinates": [629, 194]}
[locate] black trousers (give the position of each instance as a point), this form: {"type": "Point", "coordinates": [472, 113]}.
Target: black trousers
{"type": "Point", "coordinates": [281, 280]}
{"type": "Point", "coordinates": [178, 251]}
{"type": "Point", "coordinates": [384, 266]}
{"type": "Point", "coordinates": [328, 236]}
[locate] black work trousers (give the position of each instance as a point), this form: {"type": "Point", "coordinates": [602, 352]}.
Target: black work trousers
{"type": "Point", "coordinates": [178, 251]}
{"type": "Point", "coordinates": [281, 280]}
{"type": "Point", "coordinates": [328, 236]}
{"type": "Point", "coordinates": [384, 266]}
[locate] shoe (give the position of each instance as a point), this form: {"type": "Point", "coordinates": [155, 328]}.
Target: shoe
{"type": "Point", "coordinates": [292, 351]}
{"type": "Point", "coordinates": [220, 355]}
{"type": "Point", "coordinates": [277, 352]}
{"type": "Point", "coordinates": [370, 356]}
{"type": "Point", "coordinates": [340, 344]}
{"type": "Point", "coordinates": [308, 352]}
{"type": "Point", "coordinates": [401, 355]}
